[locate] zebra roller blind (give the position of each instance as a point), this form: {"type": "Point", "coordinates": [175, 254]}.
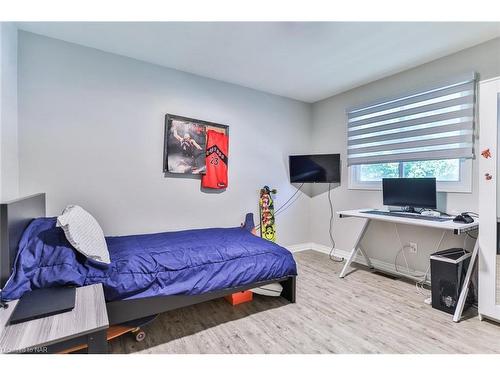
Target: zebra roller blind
{"type": "Point", "coordinates": [428, 125]}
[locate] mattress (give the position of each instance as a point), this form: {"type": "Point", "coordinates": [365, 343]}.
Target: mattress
{"type": "Point", "coordinates": [172, 263]}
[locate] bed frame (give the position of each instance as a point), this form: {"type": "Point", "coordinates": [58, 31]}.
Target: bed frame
{"type": "Point", "coordinates": [15, 217]}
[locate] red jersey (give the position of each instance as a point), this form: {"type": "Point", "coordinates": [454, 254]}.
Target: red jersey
{"type": "Point", "coordinates": [216, 161]}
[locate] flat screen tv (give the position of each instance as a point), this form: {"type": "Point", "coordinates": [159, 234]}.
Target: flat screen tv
{"type": "Point", "coordinates": [315, 168]}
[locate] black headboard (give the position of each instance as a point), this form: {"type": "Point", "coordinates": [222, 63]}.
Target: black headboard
{"type": "Point", "coordinates": [14, 218]}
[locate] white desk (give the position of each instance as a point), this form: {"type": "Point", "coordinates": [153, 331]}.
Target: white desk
{"type": "Point", "coordinates": [449, 225]}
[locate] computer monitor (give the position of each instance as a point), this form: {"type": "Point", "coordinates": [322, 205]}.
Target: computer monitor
{"type": "Point", "coordinates": [409, 192]}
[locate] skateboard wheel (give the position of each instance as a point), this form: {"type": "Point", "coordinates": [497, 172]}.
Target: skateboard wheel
{"type": "Point", "coordinates": [140, 335]}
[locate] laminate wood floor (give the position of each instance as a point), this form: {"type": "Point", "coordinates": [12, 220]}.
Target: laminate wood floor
{"type": "Point", "coordinates": [364, 313]}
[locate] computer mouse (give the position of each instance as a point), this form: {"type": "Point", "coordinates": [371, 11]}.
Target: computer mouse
{"type": "Point", "coordinates": [463, 218]}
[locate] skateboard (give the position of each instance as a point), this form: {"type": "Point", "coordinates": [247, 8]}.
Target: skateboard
{"type": "Point", "coordinates": [266, 205]}
{"type": "Point", "coordinates": [134, 327]}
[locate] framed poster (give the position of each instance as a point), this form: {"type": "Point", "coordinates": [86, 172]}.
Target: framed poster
{"type": "Point", "coordinates": [185, 144]}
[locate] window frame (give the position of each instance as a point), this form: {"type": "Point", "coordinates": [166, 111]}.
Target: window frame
{"type": "Point", "coordinates": [463, 185]}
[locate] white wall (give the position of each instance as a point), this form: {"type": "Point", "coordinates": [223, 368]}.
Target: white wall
{"type": "Point", "coordinates": [91, 132]}
{"type": "Point", "coordinates": [329, 135]}
{"type": "Point", "coordinates": [9, 176]}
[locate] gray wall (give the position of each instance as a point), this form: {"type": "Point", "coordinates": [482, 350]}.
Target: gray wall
{"type": "Point", "coordinates": [91, 132]}
{"type": "Point", "coordinates": [9, 173]}
{"type": "Point", "coordinates": [329, 135]}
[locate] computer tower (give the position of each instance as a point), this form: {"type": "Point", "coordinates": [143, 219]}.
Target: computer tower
{"type": "Point", "coordinates": [448, 269]}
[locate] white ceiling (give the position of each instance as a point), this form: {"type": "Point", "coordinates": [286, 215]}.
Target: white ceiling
{"type": "Point", "coordinates": [308, 61]}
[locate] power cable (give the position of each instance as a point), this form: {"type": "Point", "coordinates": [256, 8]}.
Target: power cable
{"type": "Point", "coordinates": [282, 208]}
{"type": "Point", "coordinates": [330, 229]}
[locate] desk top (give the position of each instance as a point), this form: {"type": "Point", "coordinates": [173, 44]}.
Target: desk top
{"type": "Point", "coordinates": [88, 316]}
{"type": "Point", "coordinates": [457, 228]}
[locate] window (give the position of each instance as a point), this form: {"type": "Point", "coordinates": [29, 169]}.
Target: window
{"type": "Point", "coordinates": [452, 175]}
{"type": "Point", "coordinates": [376, 172]}
{"type": "Point", "coordinates": [426, 134]}
{"type": "Point", "coordinates": [443, 170]}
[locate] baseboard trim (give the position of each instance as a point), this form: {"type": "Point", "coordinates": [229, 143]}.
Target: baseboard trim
{"type": "Point", "coordinates": [300, 247]}
{"type": "Point", "coordinates": [317, 247]}
{"type": "Point", "coordinates": [379, 265]}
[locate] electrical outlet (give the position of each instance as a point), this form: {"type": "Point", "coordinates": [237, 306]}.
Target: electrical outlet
{"type": "Point", "coordinates": [413, 247]}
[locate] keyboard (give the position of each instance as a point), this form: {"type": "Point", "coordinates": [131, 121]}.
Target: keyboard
{"type": "Point", "coordinates": [409, 216]}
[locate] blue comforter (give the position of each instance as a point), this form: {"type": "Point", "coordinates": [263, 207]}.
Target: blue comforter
{"type": "Point", "coordinates": [186, 262]}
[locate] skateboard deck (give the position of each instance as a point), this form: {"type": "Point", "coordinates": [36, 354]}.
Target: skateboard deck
{"type": "Point", "coordinates": [134, 327]}
{"type": "Point", "coordinates": [266, 205]}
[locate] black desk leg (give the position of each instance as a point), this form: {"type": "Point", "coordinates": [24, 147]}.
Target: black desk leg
{"type": "Point", "coordinates": [97, 342]}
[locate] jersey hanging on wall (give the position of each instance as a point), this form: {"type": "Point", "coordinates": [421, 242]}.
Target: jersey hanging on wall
{"type": "Point", "coordinates": [216, 161]}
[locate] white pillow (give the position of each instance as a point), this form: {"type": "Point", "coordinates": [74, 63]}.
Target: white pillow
{"type": "Point", "coordinates": [84, 232]}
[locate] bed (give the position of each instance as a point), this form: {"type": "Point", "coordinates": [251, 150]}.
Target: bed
{"type": "Point", "coordinates": [149, 274]}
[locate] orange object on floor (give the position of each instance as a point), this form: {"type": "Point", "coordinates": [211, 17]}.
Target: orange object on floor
{"type": "Point", "coordinates": [240, 297]}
